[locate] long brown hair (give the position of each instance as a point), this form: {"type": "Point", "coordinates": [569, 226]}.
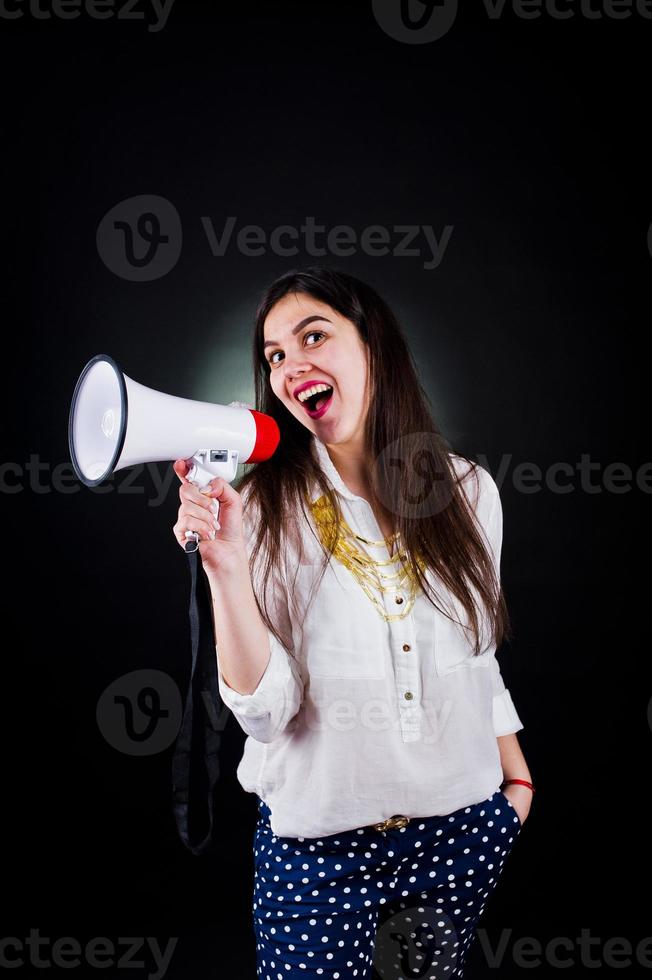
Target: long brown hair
{"type": "Point", "coordinates": [445, 533]}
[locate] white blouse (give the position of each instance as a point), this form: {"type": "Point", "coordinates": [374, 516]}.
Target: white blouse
{"type": "Point", "coordinates": [369, 718]}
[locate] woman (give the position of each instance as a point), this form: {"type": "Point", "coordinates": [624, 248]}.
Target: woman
{"type": "Point", "coordinates": [357, 609]}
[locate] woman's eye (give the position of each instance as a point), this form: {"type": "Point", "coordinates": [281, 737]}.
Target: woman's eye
{"type": "Point", "coordinates": [311, 333]}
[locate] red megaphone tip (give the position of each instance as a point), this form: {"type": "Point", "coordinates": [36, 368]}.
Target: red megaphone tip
{"type": "Point", "coordinates": [268, 437]}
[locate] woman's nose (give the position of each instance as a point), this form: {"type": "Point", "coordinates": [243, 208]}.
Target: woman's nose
{"type": "Point", "coordinates": [295, 365]}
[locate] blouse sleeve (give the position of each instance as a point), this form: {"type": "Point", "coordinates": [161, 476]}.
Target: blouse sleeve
{"type": "Point", "coordinates": [268, 711]}
{"type": "Point", "coordinates": [490, 514]}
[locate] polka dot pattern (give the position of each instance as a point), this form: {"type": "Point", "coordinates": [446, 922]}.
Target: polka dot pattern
{"type": "Point", "coordinates": [320, 904]}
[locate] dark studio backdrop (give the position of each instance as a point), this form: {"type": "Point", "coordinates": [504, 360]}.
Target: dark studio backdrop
{"type": "Point", "coordinates": [510, 151]}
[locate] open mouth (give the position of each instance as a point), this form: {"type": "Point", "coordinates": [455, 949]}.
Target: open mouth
{"type": "Point", "coordinates": [317, 404]}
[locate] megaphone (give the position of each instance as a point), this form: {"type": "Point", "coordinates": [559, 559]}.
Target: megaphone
{"type": "Point", "coordinates": [116, 422]}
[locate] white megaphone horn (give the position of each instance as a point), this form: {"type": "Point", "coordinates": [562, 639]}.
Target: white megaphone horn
{"type": "Point", "coordinates": [115, 422]}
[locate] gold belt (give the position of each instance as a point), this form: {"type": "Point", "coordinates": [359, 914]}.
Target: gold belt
{"type": "Point", "coordinates": [398, 820]}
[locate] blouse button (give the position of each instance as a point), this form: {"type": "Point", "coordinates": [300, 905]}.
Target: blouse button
{"type": "Point", "coordinates": [399, 599]}
{"type": "Point", "coordinates": [408, 695]}
{"type": "Point", "coordinates": [406, 646]}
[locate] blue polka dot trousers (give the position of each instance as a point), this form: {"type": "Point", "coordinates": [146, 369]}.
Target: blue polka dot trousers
{"type": "Point", "coordinates": [391, 903]}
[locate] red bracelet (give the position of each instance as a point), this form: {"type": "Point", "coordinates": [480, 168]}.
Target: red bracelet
{"type": "Point", "coordinates": [523, 782]}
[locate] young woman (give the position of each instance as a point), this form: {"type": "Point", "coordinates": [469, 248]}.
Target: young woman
{"type": "Point", "coordinates": [358, 608]}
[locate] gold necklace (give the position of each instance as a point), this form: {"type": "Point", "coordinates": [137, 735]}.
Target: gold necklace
{"type": "Point", "coordinates": [366, 570]}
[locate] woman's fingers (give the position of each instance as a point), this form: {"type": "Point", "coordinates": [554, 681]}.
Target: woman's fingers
{"type": "Point", "coordinates": [190, 494]}
{"type": "Point", "coordinates": [181, 468]}
{"type": "Point", "coordinates": [199, 513]}
{"type": "Point", "coordinates": [189, 523]}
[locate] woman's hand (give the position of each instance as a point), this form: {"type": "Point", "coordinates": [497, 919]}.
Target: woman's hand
{"type": "Point", "coordinates": [521, 799]}
{"type": "Point", "coordinates": [197, 513]}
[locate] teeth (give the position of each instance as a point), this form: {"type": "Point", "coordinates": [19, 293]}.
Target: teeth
{"type": "Point", "coordinates": [307, 392]}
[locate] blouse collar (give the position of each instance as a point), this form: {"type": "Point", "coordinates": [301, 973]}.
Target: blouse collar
{"type": "Point", "coordinates": [330, 471]}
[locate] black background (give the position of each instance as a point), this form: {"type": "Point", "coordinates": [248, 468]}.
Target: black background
{"type": "Point", "coordinates": [526, 136]}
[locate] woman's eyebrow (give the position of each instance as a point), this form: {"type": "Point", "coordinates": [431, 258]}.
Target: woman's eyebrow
{"type": "Point", "coordinates": [308, 319]}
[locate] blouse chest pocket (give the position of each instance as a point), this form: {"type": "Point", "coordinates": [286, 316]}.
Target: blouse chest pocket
{"type": "Point", "coordinates": [342, 634]}
{"type": "Point", "coordinates": [453, 644]}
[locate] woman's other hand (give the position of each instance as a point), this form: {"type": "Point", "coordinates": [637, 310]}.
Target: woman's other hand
{"type": "Point", "coordinates": [521, 799]}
